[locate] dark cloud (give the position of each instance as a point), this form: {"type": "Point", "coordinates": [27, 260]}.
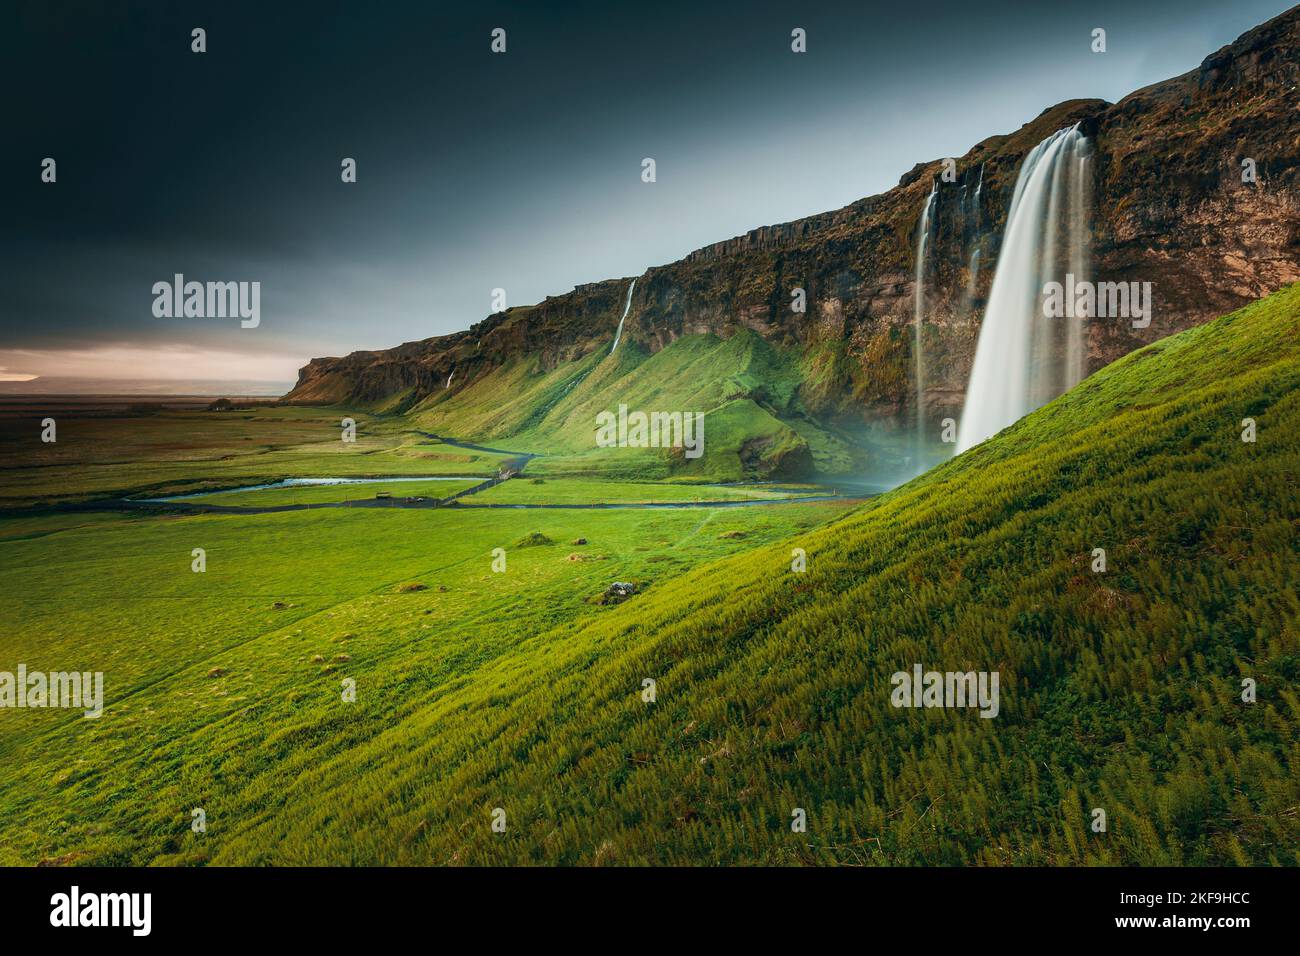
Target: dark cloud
{"type": "Point", "coordinates": [479, 171]}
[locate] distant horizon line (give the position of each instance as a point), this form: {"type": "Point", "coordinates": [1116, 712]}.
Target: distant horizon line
{"type": "Point", "coordinates": [75, 386]}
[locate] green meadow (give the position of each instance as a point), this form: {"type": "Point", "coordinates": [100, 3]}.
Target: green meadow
{"type": "Point", "coordinates": [115, 452]}
{"type": "Point", "coordinates": [748, 677]}
{"type": "Point", "coordinates": [217, 683]}
{"type": "Point", "coordinates": [593, 491]}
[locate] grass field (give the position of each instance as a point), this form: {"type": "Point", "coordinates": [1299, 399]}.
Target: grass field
{"type": "Point", "coordinates": [107, 454]}
{"type": "Point", "coordinates": [218, 683]}
{"type": "Point", "coordinates": [518, 689]}
{"type": "Point", "coordinates": [593, 491]}
{"type": "Point", "coordinates": [319, 494]}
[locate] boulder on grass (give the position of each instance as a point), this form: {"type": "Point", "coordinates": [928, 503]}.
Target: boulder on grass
{"type": "Point", "coordinates": [618, 592]}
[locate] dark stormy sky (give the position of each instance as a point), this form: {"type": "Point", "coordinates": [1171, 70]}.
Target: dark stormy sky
{"type": "Point", "coordinates": [475, 170]}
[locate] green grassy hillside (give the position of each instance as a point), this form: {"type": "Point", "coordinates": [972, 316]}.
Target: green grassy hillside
{"type": "Point", "coordinates": [756, 424]}
{"type": "Point", "coordinates": [1120, 691]}
{"type": "Point", "coordinates": [222, 688]}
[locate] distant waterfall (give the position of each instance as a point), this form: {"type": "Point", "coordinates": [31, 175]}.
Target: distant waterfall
{"type": "Point", "coordinates": [922, 241]}
{"type": "Point", "coordinates": [626, 308]}
{"type": "Point", "coordinates": [1023, 359]}
{"type": "Point", "coordinates": [973, 267]}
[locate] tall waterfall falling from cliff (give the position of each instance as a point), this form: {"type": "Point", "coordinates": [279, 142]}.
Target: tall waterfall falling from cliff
{"type": "Point", "coordinates": [1023, 359]}
{"type": "Point", "coordinates": [918, 353]}
{"type": "Point", "coordinates": [626, 308]}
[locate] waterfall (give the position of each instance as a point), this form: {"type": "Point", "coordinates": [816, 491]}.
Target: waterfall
{"type": "Point", "coordinates": [1080, 264]}
{"type": "Point", "coordinates": [974, 268]}
{"type": "Point", "coordinates": [448, 385]}
{"type": "Point", "coordinates": [922, 240]}
{"type": "Point", "coordinates": [1024, 360]}
{"type": "Point", "coordinates": [626, 308]}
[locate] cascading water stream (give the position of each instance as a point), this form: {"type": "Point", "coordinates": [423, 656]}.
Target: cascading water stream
{"type": "Point", "coordinates": [973, 267]}
{"type": "Point", "coordinates": [922, 242]}
{"type": "Point", "coordinates": [626, 308]}
{"type": "Point", "coordinates": [1023, 360]}
{"type": "Point", "coordinates": [1080, 264]}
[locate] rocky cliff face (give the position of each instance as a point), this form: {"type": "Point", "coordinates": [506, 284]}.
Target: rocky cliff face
{"type": "Point", "coordinates": [1169, 207]}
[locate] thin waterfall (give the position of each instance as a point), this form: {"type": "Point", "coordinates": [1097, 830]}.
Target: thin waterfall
{"type": "Point", "coordinates": [922, 242]}
{"type": "Point", "coordinates": [626, 308]}
{"type": "Point", "coordinates": [973, 265]}
{"type": "Point", "coordinates": [972, 247]}
{"type": "Point", "coordinates": [1023, 359]}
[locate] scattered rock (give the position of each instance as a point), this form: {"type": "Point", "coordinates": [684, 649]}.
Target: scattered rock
{"type": "Point", "coordinates": [343, 657]}
{"type": "Point", "coordinates": [443, 587]}
{"type": "Point", "coordinates": [618, 592]}
{"type": "Point", "coordinates": [414, 586]}
{"type": "Point", "coordinates": [732, 534]}
{"type": "Point", "coordinates": [579, 540]}
{"type": "Point", "coordinates": [278, 606]}
{"type": "Point", "coordinates": [317, 659]}
{"type": "Point", "coordinates": [217, 672]}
